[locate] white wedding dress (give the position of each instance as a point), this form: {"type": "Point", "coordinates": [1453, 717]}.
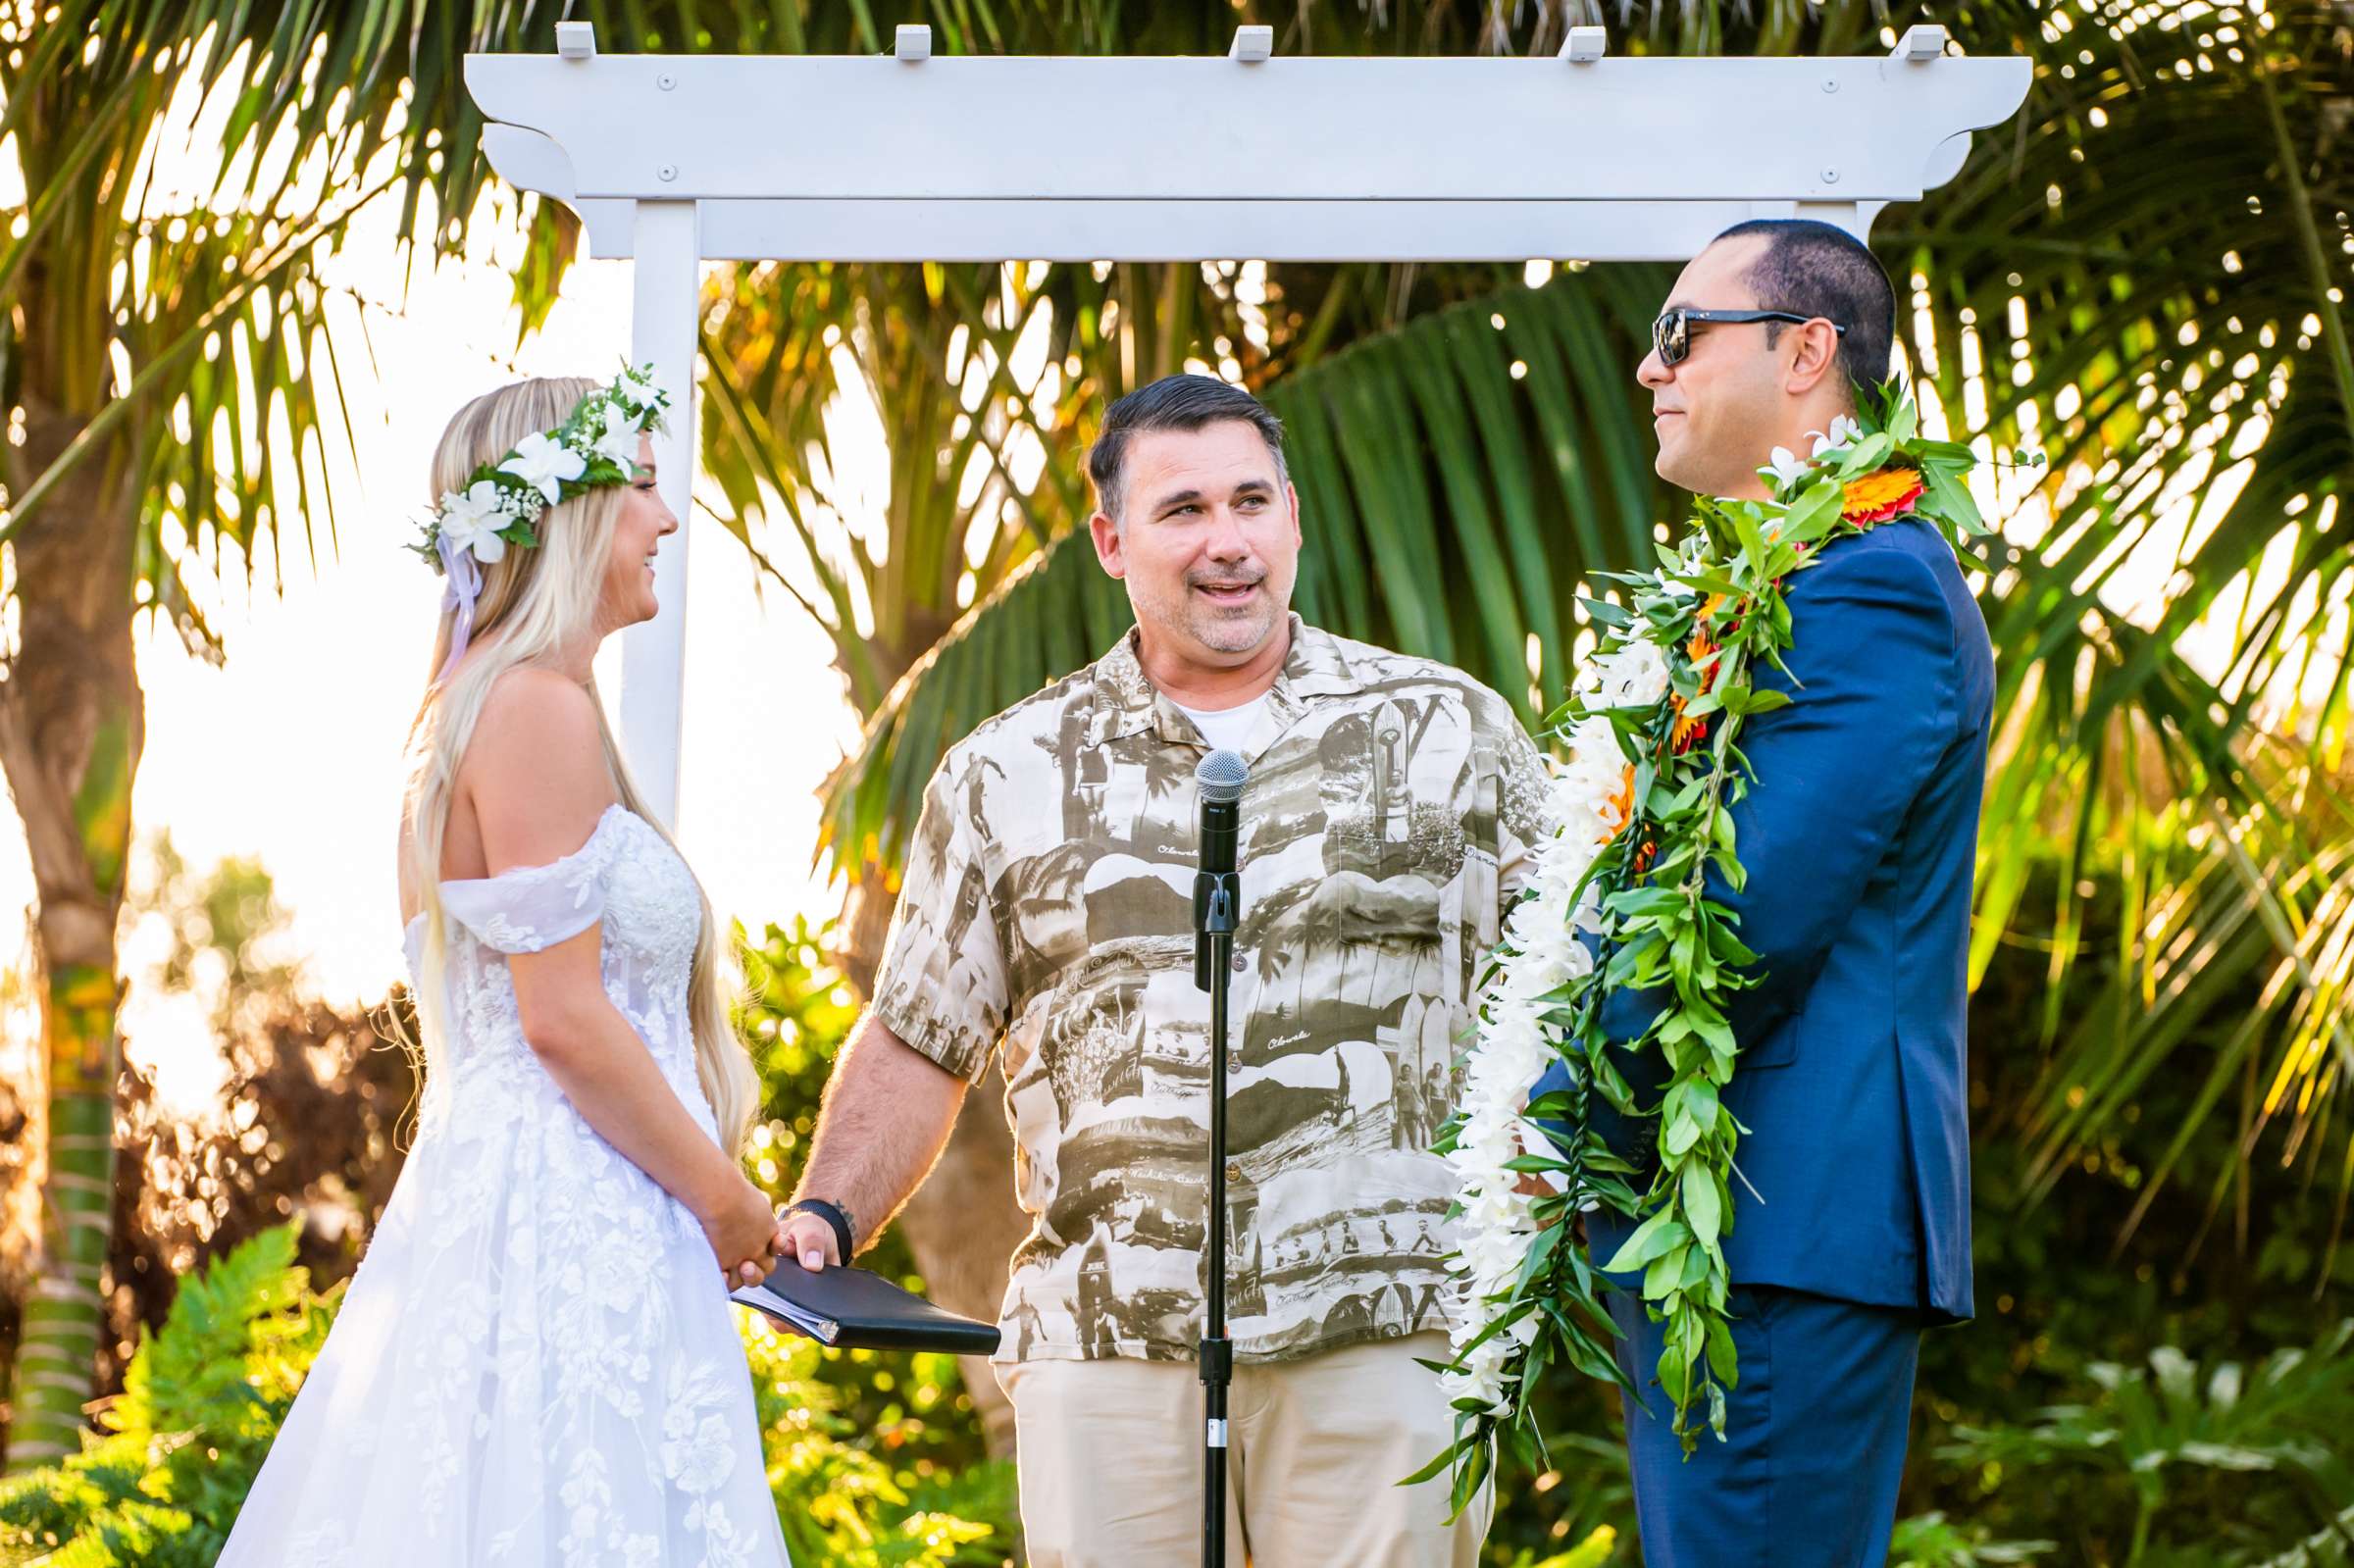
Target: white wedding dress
{"type": "Point", "coordinates": [536, 1363]}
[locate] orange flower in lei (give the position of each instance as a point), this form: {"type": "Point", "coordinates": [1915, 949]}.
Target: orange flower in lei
{"type": "Point", "coordinates": [1701, 650]}
{"type": "Point", "coordinates": [1623, 805]}
{"type": "Point", "coordinates": [1882, 494]}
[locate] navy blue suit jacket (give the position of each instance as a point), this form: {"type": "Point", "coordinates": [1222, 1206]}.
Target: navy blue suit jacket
{"type": "Point", "coordinates": [1859, 835]}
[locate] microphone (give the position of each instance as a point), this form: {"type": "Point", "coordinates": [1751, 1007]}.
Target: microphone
{"type": "Point", "coordinates": [1218, 893]}
{"type": "Point", "coordinates": [1219, 778]}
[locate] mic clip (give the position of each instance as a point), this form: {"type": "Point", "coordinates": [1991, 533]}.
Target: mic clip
{"type": "Point", "coordinates": [1217, 910]}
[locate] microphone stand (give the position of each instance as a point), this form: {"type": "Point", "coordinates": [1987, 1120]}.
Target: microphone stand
{"type": "Point", "coordinates": [1217, 907]}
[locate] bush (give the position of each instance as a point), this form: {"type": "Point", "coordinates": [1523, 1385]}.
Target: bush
{"type": "Point", "coordinates": [183, 1441]}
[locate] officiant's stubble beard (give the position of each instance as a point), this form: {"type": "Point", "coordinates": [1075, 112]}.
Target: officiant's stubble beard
{"type": "Point", "coordinates": [1194, 614]}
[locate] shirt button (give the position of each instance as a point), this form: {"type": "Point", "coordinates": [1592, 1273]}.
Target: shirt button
{"type": "Point", "coordinates": [1234, 1173]}
{"type": "Point", "coordinates": [1234, 1062]}
{"type": "Point", "coordinates": [1238, 963]}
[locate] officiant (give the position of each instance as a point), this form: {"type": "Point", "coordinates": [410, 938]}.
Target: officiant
{"type": "Point", "coordinates": [1045, 926]}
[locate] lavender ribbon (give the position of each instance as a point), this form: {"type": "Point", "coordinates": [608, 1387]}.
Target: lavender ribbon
{"type": "Point", "coordinates": [465, 577]}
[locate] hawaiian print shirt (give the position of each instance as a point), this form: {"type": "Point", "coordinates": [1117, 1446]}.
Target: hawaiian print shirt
{"type": "Point", "coordinates": [1388, 822]}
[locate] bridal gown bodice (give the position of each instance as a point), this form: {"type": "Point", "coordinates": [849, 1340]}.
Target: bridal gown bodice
{"type": "Point", "coordinates": [536, 1363]}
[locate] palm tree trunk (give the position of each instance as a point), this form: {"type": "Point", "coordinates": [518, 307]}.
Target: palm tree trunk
{"type": "Point", "coordinates": [71, 730]}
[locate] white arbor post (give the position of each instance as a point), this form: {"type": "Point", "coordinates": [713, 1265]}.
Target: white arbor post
{"type": "Point", "coordinates": [674, 159]}
{"type": "Point", "coordinates": [667, 291]}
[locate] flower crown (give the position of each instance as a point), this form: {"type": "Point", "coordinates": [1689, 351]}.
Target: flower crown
{"type": "Point", "coordinates": [596, 445]}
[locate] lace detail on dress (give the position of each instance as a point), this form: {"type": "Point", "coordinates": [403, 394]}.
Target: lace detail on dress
{"type": "Point", "coordinates": [536, 1363]}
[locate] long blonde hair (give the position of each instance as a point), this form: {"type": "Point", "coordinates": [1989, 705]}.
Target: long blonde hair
{"type": "Point", "coordinates": [534, 605]}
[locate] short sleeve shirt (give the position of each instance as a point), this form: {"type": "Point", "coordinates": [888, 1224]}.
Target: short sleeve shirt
{"type": "Point", "coordinates": [1045, 925]}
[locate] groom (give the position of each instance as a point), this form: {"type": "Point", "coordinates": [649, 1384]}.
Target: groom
{"type": "Point", "coordinates": [1858, 835]}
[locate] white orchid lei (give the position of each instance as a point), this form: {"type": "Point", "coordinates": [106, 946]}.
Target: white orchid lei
{"type": "Point", "coordinates": [1641, 805]}
{"type": "Point", "coordinates": [596, 445]}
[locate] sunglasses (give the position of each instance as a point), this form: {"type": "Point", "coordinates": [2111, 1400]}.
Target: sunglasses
{"type": "Point", "coordinates": [1671, 333]}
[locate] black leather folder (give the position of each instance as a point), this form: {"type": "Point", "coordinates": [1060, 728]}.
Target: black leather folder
{"type": "Point", "coordinates": [853, 1309]}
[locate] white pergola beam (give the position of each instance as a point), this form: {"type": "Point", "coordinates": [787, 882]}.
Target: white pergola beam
{"type": "Point", "coordinates": [673, 159]}
{"type": "Point", "coordinates": [1322, 131]}
{"type": "Point", "coordinates": [1125, 230]}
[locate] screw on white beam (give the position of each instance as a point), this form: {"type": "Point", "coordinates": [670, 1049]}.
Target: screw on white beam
{"type": "Point", "coordinates": [1252, 44]}
{"type": "Point", "coordinates": [1924, 41]}
{"type": "Point", "coordinates": [575, 41]}
{"type": "Point", "coordinates": [1585, 45]}
{"type": "Point", "coordinates": [912, 42]}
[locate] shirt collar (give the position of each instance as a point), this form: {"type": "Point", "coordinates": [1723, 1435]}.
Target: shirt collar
{"type": "Point", "coordinates": [1128, 703]}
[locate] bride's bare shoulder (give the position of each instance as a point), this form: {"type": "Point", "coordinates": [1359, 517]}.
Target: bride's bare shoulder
{"type": "Point", "coordinates": [540, 742]}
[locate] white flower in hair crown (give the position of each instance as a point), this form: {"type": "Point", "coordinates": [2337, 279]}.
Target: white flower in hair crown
{"type": "Point", "coordinates": [595, 446]}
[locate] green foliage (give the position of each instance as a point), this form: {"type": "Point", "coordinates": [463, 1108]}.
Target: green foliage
{"type": "Point", "coordinates": [843, 1493]}
{"type": "Point", "coordinates": [2330, 1547]}
{"type": "Point", "coordinates": [1931, 1540]}
{"type": "Point", "coordinates": [199, 1405]}
{"type": "Point", "coordinates": [2214, 1457]}
{"type": "Point", "coordinates": [1593, 1551]}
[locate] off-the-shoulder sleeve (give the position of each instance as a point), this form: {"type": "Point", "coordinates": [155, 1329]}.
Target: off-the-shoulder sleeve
{"type": "Point", "coordinates": [531, 907]}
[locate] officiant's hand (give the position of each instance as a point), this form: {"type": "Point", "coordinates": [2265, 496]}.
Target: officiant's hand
{"type": "Point", "coordinates": [743, 1232]}
{"type": "Point", "coordinates": [809, 1240]}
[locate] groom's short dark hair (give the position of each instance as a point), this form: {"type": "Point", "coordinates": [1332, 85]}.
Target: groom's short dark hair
{"type": "Point", "coordinates": [1817, 269]}
{"type": "Point", "coordinates": [1172, 403]}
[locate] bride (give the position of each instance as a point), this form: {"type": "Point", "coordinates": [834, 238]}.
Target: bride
{"type": "Point", "coordinates": [536, 1363]}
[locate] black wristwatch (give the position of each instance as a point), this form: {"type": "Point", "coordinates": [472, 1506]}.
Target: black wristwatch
{"type": "Point", "coordinates": [835, 1215]}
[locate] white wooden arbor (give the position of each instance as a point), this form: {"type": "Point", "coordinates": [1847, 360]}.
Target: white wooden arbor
{"type": "Point", "coordinates": [675, 159]}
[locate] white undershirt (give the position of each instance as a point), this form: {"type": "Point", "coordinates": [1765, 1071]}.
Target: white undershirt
{"type": "Point", "coordinates": [1226, 729]}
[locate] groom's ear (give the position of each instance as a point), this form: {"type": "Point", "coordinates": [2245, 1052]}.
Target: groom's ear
{"type": "Point", "coordinates": [1291, 496]}
{"type": "Point", "coordinates": [1108, 545]}
{"type": "Point", "coordinates": [1814, 350]}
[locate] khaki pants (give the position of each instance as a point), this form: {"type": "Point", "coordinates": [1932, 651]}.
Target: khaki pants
{"type": "Point", "coordinates": [1111, 1462]}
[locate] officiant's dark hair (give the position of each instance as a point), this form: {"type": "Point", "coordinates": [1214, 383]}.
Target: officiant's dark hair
{"type": "Point", "coordinates": [1173, 403]}
{"type": "Point", "coordinates": [1817, 268]}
